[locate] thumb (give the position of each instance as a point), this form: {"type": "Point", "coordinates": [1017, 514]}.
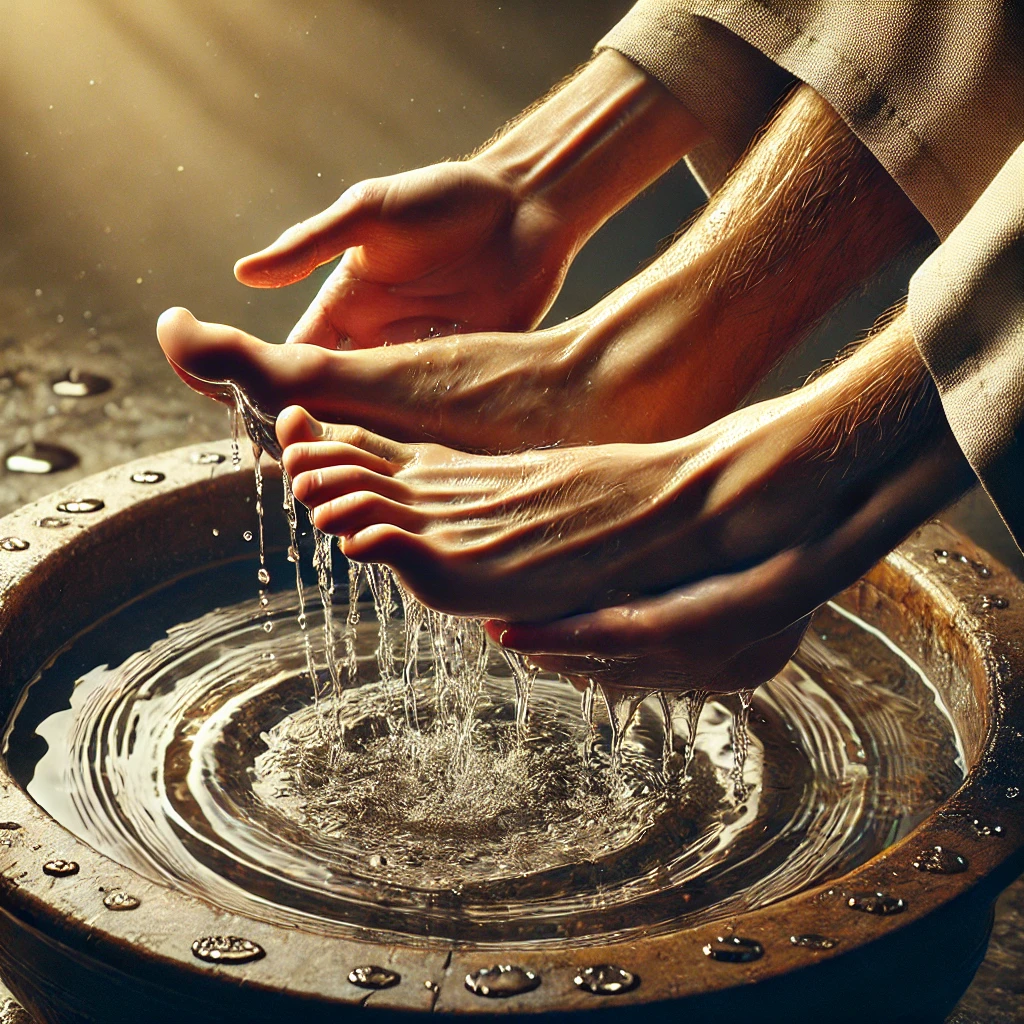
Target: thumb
{"type": "Point", "coordinates": [318, 240]}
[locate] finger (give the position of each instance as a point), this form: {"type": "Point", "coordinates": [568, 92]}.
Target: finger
{"type": "Point", "coordinates": [389, 544]}
{"type": "Point", "coordinates": [760, 661]}
{"type": "Point", "coordinates": [358, 437]}
{"type": "Point", "coordinates": [350, 311]}
{"type": "Point", "coordinates": [318, 486]}
{"type": "Point", "coordinates": [303, 247]}
{"type": "Point", "coordinates": [348, 514]}
{"type": "Point", "coordinates": [316, 327]}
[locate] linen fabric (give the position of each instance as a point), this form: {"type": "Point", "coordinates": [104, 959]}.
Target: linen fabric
{"type": "Point", "coordinates": [935, 90]}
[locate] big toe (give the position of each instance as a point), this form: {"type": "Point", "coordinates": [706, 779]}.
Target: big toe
{"type": "Point", "coordinates": [201, 351]}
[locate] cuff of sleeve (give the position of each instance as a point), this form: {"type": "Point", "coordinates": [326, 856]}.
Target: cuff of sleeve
{"type": "Point", "coordinates": [966, 307]}
{"type": "Point", "coordinates": [725, 83]}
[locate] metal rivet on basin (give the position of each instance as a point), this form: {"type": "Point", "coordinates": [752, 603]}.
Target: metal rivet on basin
{"type": "Point", "coordinates": [14, 544]}
{"type": "Point", "coordinates": [81, 505]}
{"type": "Point", "coordinates": [147, 476]}
{"type": "Point", "coordinates": [989, 601]}
{"type": "Point", "coordinates": [53, 522]}
{"type": "Point", "coordinates": [501, 981]}
{"type": "Point", "coordinates": [207, 458]}
{"type": "Point", "coordinates": [813, 941]}
{"type": "Point", "coordinates": [372, 976]}
{"type": "Point", "coordinates": [733, 949]}
{"type": "Point", "coordinates": [605, 980]}
{"type": "Point", "coordinates": [226, 949]}
{"type": "Point", "coordinates": [880, 903]}
{"type": "Point", "coordinates": [940, 861]}
{"type": "Point", "coordinates": [121, 901]}
{"type": "Point", "coordinates": [60, 868]}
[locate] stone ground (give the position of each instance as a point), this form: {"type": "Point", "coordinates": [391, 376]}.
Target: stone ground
{"type": "Point", "coordinates": [172, 138]}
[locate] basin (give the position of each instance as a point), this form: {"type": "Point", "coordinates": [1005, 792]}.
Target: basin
{"type": "Point", "coordinates": [897, 936]}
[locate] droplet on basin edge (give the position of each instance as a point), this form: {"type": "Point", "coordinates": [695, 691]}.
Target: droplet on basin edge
{"type": "Point", "coordinates": [373, 976]}
{"type": "Point", "coordinates": [606, 980]}
{"type": "Point", "coordinates": [501, 981]}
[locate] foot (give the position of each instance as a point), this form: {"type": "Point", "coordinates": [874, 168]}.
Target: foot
{"type": "Point", "coordinates": [767, 495]}
{"type": "Point", "coordinates": [633, 368]}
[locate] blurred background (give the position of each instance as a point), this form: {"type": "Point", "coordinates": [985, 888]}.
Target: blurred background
{"type": "Point", "coordinates": [145, 145]}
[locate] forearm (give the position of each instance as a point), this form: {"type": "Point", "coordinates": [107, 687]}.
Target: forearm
{"type": "Point", "coordinates": [593, 144]}
{"type": "Point", "coordinates": [806, 216]}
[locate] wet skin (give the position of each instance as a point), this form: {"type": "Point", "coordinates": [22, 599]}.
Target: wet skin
{"type": "Point", "coordinates": [746, 520]}
{"type": "Point", "coordinates": [667, 353]}
{"type": "Point", "coordinates": [805, 216]}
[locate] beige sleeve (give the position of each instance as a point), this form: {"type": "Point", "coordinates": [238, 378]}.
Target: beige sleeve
{"type": "Point", "coordinates": [728, 85]}
{"type": "Point", "coordinates": [934, 88]}
{"type": "Point", "coordinates": [966, 306]}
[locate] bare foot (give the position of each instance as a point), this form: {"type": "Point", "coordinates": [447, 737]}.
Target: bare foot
{"type": "Point", "coordinates": [634, 368]}
{"type": "Point", "coordinates": [777, 488]}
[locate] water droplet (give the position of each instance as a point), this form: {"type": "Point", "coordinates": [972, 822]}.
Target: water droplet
{"type": "Point", "coordinates": [60, 868]}
{"type": "Point", "coordinates": [941, 556]}
{"type": "Point", "coordinates": [226, 949]}
{"type": "Point", "coordinates": [80, 384]}
{"type": "Point", "coordinates": [813, 941]}
{"type": "Point", "coordinates": [263, 576]}
{"type": "Point", "coordinates": [605, 980]}
{"type": "Point", "coordinates": [247, 536]}
{"type": "Point", "coordinates": [216, 532]}
{"type": "Point", "coordinates": [147, 476]}
{"type": "Point", "coordinates": [940, 861]}
{"type": "Point", "coordinates": [14, 544]}
{"type": "Point", "coordinates": [372, 976]}
{"type": "Point", "coordinates": [39, 458]}
{"type": "Point", "coordinates": [501, 981]}
{"type": "Point", "coordinates": [880, 903]}
{"type": "Point", "coordinates": [1012, 792]}
{"type": "Point", "coordinates": [268, 626]}
{"type": "Point", "coordinates": [53, 522]}
{"type": "Point", "coordinates": [81, 505]}
{"type": "Point", "coordinates": [733, 949]}
{"type": "Point", "coordinates": [207, 458]}
{"type": "Point", "coordinates": [989, 601]}
{"type": "Point", "coordinates": [983, 828]}
{"type": "Point", "coordinates": [121, 901]}
{"type": "Point", "coordinates": [378, 860]}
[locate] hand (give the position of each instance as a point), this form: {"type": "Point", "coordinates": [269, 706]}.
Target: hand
{"type": "Point", "coordinates": [688, 639]}
{"type": "Point", "coordinates": [735, 534]}
{"type": "Point", "coordinates": [440, 250]}
{"type": "Point", "coordinates": [483, 243]}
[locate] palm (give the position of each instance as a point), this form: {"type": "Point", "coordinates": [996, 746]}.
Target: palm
{"type": "Point", "coordinates": [439, 250]}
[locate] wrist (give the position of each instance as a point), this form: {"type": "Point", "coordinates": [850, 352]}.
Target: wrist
{"type": "Point", "coordinates": [567, 153]}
